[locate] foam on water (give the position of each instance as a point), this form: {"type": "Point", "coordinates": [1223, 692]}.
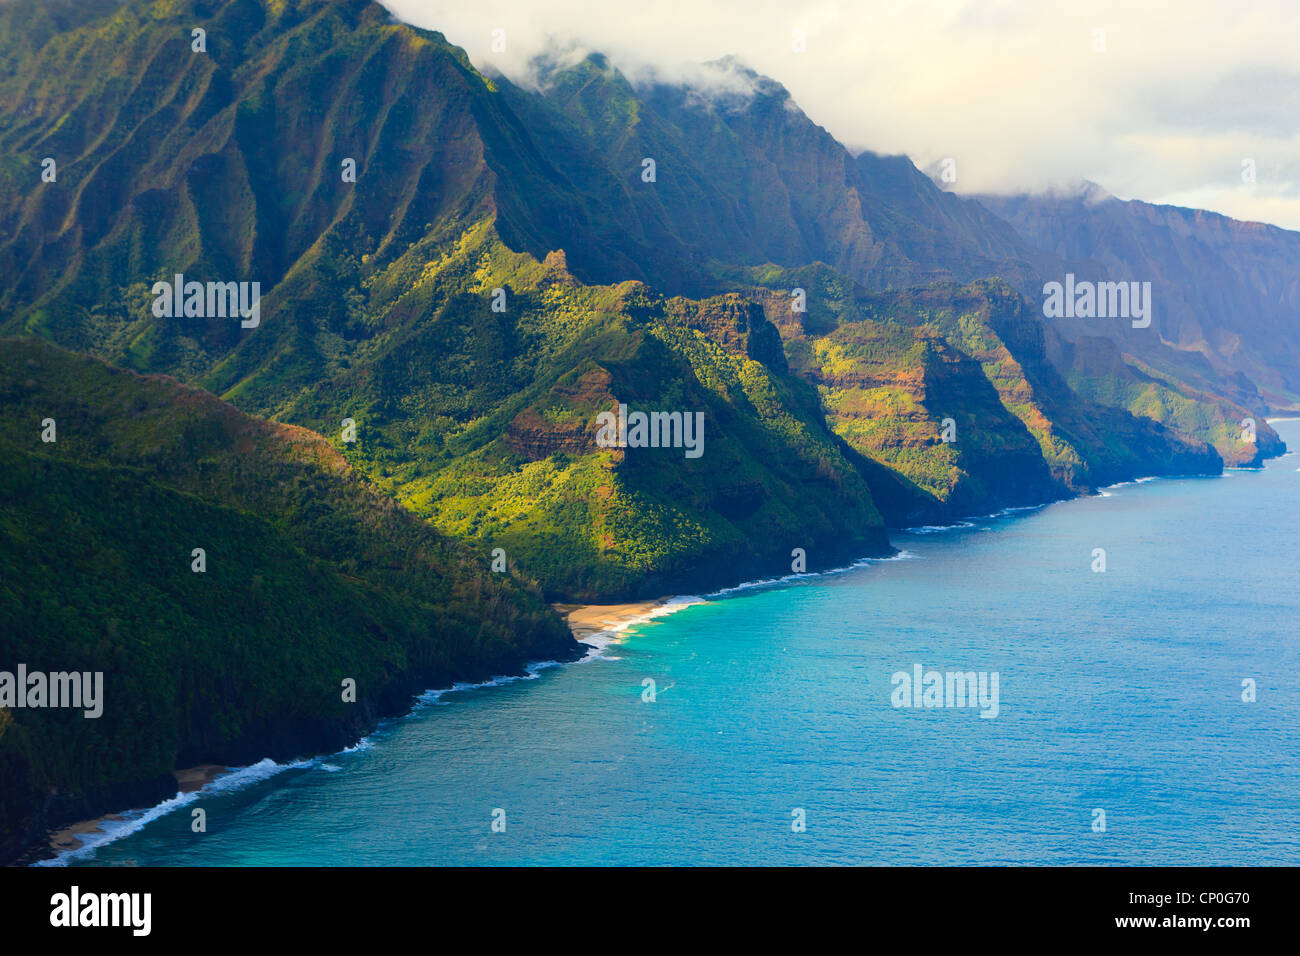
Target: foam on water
{"type": "Point", "coordinates": [902, 555]}
{"type": "Point", "coordinates": [1119, 690]}
{"type": "Point", "coordinates": [133, 820]}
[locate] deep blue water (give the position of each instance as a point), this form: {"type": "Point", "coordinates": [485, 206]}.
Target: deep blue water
{"type": "Point", "coordinates": [1118, 690]}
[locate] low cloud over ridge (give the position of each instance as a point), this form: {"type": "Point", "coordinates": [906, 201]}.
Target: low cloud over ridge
{"type": "Point", "coordinates": [1166, 104]}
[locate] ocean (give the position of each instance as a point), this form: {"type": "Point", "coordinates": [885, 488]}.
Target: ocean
{"type": "Point", "coordinates": [1145, 714]}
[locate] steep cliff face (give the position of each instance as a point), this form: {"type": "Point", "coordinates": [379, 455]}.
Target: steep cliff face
{"type": "Point", "coordinates": [901, 372]}
{"type": "Point", "coordinates": [1225, 293]}
{"type": "Point", "coordinates": [734, 322]}
{"type": "Point", "coordinates": [236, 164]}
{"type": "Point", "coordinates": [745, 184]}
{"type": "Point", "coordinates": [1095, 368]}
{"type": "Point", "coordinates": [495, 438]}
{"type": "Point", "coordinates": [743, 177]}
{"type": "Point", "coordinates": [217, 181]}
{"type": "Point", "coordinates": [379, 295]}
{"type": "Point", "coordinates": [502, 273]}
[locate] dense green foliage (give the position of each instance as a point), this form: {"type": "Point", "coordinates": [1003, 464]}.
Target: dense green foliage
{"type": "Point", "coordinates": [311, 576]}
{"type": "Point", "coordinates": [892, 366]}
{"type": "Point", "coordinates": [378, 292]}
{"type": "Point", "coordinates": [378, 296]}
{"type": "Point", "coordinates": [1095, 369]}
{"type": "Point", "coordinates": [494, 435]}
{"type": "Point", "coordinates": [475, 425]}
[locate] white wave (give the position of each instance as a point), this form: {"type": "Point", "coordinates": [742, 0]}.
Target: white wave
{"type": "Point", "coordinates": [264, 769]}
{"type": "Point", "coordinates": [134, 820]}
{"type": "Point", "coordinates": [936, 528]}
{"type": "Point", "coordinates": [1017, 509]}
{"type": "Point", "coordinates": [971, 522]}
{"type": "Point", "coordinates": [766, 582]}
{"type": "Point", "coordinates": [600, 641]}
{"type": "Point", "coordinates": [901, 555]}
{"type": "Point", "coordinates": [532, 670]}
{"type": "Point", "coordinates": [1102, 491]}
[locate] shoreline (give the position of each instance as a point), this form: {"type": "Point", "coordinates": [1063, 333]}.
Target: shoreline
{"type": "Point", "coordinates": [598, 625]}
{"type": "Point", "coordinates": [189, 779]}
{"type": "Point", "coordinates": [597, 621]}
{"type": "Point", "coordinates": [595, 626]}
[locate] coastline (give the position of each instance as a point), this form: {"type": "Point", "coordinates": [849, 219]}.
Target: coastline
{"type": "Point", "coordinates": [588, 621]}
{"type": "Point", "coordinates": [599, 625]}
{"type": "Point", "coordinates": [594, 626]}
{"type": "Point", "coordinates": [71, 837]}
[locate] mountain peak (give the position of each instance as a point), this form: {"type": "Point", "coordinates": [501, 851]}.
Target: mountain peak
{"type": "Point", "coordinates": [1082, 190]}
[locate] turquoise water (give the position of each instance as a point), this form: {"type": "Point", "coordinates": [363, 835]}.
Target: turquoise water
{"type": "Point", "coordinates": [1118, 690]}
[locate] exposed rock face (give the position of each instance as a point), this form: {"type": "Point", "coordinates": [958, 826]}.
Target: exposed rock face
{"type": "Point", "coordinates": [1095, 368]}
{"type": "Point", "coordinates": [886, 400]}
{"type": "Point", "coordinates": [736, 322]}
{"type": "Point", "coordinates": [749, 179]}
{"type": "Point", "coordinates": [563, 422]}
{"type": "Point", "coordinates": [897, 370]}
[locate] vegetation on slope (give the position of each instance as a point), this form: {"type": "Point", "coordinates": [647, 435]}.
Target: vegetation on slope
{"type": "Point", "coordinates": [378, 291]}
{"type": "Point", "coordinates": [429, 302]}
{"type": "Point", "coordinates": [311, 577]}
{"type": "Point", "coordinates": [892, 366]}
{"type": "Point", "coordinates": [1096, 369]}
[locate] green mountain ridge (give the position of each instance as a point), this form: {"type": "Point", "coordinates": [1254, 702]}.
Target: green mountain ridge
{"type": "Point", "coordinates": [377, 293]}
{"type": "Point", "coordinates": [492, 165]}
{"type": "Point", "coordinates": [497, 276]}
{"type": "Point", "coordinates": [743, 179]}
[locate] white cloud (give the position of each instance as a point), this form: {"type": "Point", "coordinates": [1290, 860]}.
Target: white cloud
{"type": "Point", "coordinates": [1183, 92]}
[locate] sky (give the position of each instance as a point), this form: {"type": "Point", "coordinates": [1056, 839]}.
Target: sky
{"type": "Point", "coordinates": [1193, 102]}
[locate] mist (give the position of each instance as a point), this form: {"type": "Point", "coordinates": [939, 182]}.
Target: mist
{"type": "Point", "coordinates": [1167, 103]}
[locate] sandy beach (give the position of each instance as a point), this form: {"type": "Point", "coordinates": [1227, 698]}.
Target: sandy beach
{"type": "Point", "coordinates": [196, 778]}
{"type": "Point", "coordinates": [594, 621]}
{"type": "Point", "coordinates": [69, 838]}
{"type": "Point", "coordinates": [596, 624]}
{"type": "Point", "coordinates": [187, 780]}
